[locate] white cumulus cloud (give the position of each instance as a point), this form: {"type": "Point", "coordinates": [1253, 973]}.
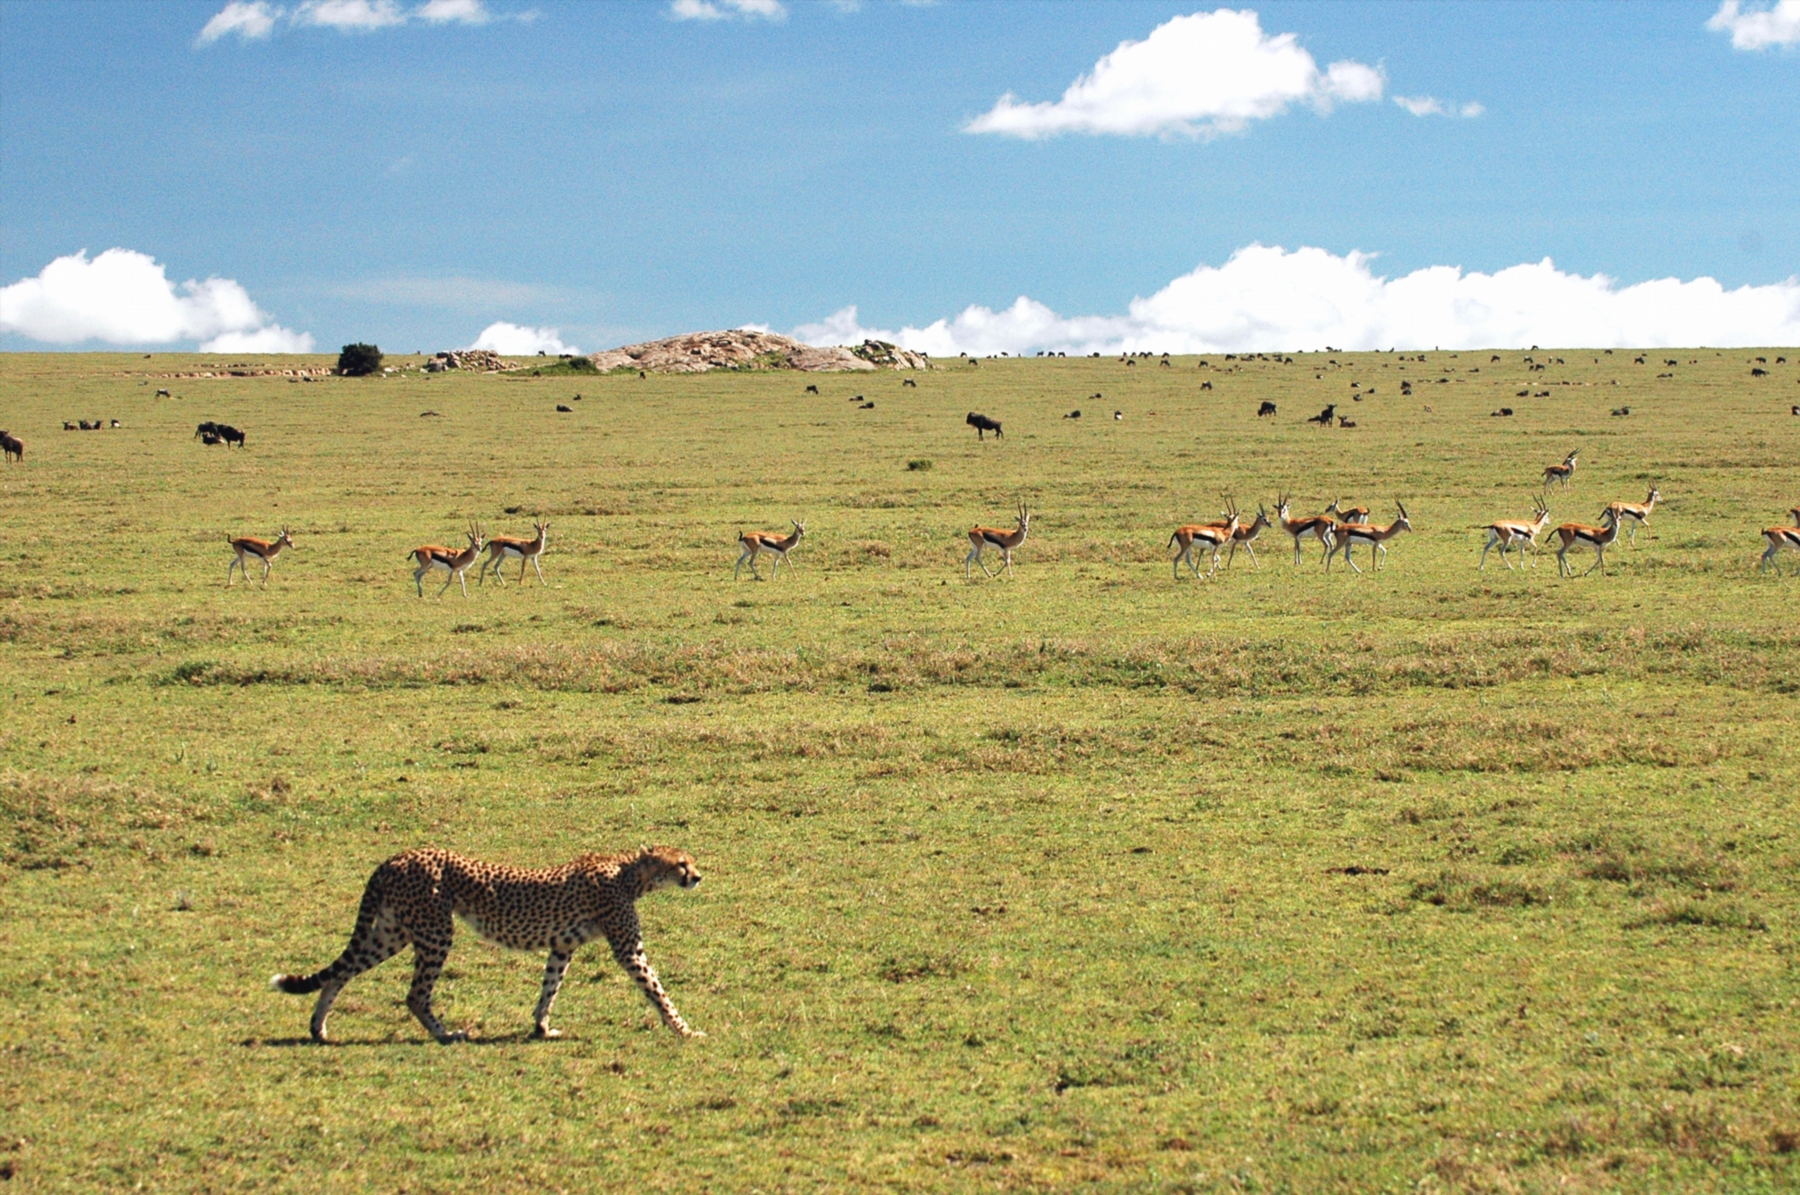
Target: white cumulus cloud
{"type": "Point", "coordinates": [514, 340]}
{"type": "Point", "coordinates": [125, 297]}
{"type": "Point", "coordinates": [1199, 76]}
{"type": "Point", "coordinates": [251, 22]}
{"type": "Point", "coordinates": [350, 15]}
{"type": "Point", "coordinates": [1267, 298]}
{"type": "Point", "coordinates": [461, 12]}
{"type": "Point", "coordinates": [1758, 28]}
{"type": "Point", "coordinates": [721, 10]}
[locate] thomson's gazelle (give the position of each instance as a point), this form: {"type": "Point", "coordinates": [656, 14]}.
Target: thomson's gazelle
{"type": "Point", "coordinates": [507, 547]}
{"type": "Point", "coordinates": [456, 564]}
{"type": "Point", "coordinates": [755, 543]}
{"type": "Point", "coordinates": [262, 549]}
{"type": "Point", "coordinates": [1510, 532]}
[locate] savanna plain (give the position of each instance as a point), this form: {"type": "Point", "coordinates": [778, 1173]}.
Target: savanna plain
{"type": "Point", "coordinates": [1425, 879]}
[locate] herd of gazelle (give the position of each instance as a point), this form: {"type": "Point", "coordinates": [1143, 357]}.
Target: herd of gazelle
{"type": "Point", "coordinates": [1340, 534]}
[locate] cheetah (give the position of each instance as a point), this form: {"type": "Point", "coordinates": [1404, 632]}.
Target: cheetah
{"type": "Point", "coordinates": [413, 897]}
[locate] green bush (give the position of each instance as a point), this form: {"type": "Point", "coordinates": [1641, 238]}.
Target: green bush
{"type": "Point", "coordinates": [359, 360]}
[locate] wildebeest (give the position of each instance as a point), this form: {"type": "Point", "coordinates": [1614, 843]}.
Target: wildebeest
{"type": "Point", "coordinates": [1075, 414]}
{"type": "Point", "coordinates": [15, 451]}
{"type": "Point", "coordinates": [1118, 414]}
{"type": "Point", "coordinates": [67, 426]}
{"type": "Point", "coordinates": [1621, 411]}
{"type": "Point", "coordinates": [230, 435]}
{"type": "Point", "coordinates": [208, 428]}
{"type": "Point", "coordinates": [564, 410]}
{"type": "Point", "coordinates": [1268, 408]}
{"type": "Point", "coordinates": [164, 394]}
{"type": "Point", "coordinates": [1345, 422]}
{"type": "Point", "coordinates": [982, 425]}
{"type": "Point", "coordinates": [1206, 385]}
{"type": "Point", "coordinates": [116, 423]}
{"type": "Point", "coordinates": [211, 439]}
{"type": "Point", "coordinates": [812, 390]}
{"type": "Point", "coordinates": [909, 382]}
{"type": "Point", "coordinates": [1324, 418]}
{"type": "Point", "coordinates": [868, 406]}
{"type": "Point", "coordinates": [1502, 413]}
{"type": "Point", "coordinates": [1796, 410]}
{"type": "Point", "coordinates": [1759, 373]}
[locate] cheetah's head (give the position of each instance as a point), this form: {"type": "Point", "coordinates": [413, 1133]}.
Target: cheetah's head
{"type": "Point", "coordinates": [671, 866]}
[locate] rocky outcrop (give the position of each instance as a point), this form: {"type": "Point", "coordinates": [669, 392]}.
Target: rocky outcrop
{"type": "Point", "coordinates": [483, 360]}
{"type": "Point", "coordinates": [742, 348]}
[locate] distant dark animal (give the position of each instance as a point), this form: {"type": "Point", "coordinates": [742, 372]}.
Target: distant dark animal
{"type": "Point", "coordinates": [1118, 414]}
{"type": "Point", "coordinates": [208, 428]}
{"type": "Point", "coordinates": [211, 439]}
{"type": "Point", "coordinates": [164, 394]}
{"type": "Point", "coordinates": [812, 390]}
{"type": "Point", "coordinates": [1268, 408]}
{"type": "Point", "coordinates": [1781, 360]}
{"type": "Point", "coordinates": [1358, 397]}
{"type": "Point", "coordinates": [857, 398]}
{"type": "Point", "coordinates": [15, 451]}
{"type": "Point", "coordinates": [1670, 362]}
{"type": "Point", "coordinates": [1523, 394]}
{"type": "Point", "coordinates": [1165, 363]}
{"type": "Point", "coordinates": [90, 427]}
{"type": "Point", "coordinates": [868, 406]}
{"type": "Point", "coordinates": [1796, 410]}
{"type": "Point", "coordinates": [1343, 422]}
{"type": "Point", "coordinates": [116, 423]}
{"type": "Point", "coordinates": [1324, 418]}
{"type": "Point", "coordinates": [577, 398]}
{"type": "Point", "coordinates": [1762, 360]}
{"type": "Point", "coordinates": [1638, 360]}
{"type": "Point", "coordinates": [642, 374]}
{"type": "Point", "coordinates": [1759, 373]}
{"type": "Point", "coordinates": [982, 425]}
{"type": "Point", "coordinates": [429, 415]}
{"type": "Point", "coordinates": [1621, 411]}
{"type": "Point", "coordinates": [909, 382]}
{"type": "Point", "coordinates": [231, 435]}
{"type": "Point", "coordinates": [564, 410]}
{"type": "Point", "coordinates": [1502, 413]}
{"type": "Point", "coordinates": [1493, 359]}
{"type": "Point", "coordinates": [67, 426]}
{"type": "Point", "coordinates": [1075, 414]}
{"type": "Point", "coordinates": [1206, 385]}
{"type": "Point", "coordinates": [1130, 362]}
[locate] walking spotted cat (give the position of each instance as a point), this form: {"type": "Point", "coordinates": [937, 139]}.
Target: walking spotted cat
{"type": "Point", "coordinates": [414, 897]}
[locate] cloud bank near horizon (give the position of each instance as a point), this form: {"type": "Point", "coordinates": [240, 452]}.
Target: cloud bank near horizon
{"type": "Point", "coordinates": [1266, 298]}
{"type": "Point", "coordinates": [125, 297]}
{"type": "Point", "coordinates": [256, 20]}
{"type": "Point", "coordinates": [514, 340]}
{"type": "Point", "coordinates": [1202, 75]}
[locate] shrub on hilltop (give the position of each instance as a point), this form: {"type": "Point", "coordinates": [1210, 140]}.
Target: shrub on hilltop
{"type": "Point", "coordinates": [359, 360]}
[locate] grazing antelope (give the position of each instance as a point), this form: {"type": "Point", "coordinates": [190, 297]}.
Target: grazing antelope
{"type": "Point", "coordinates": [456, 564]}
{"type": "Point", "coordinates": [1006, 541]}
{"type": "Point", "coordinates": [1562, 472]}
{"type": "Point", "coordinates": [506, 547]}
{"type": "Point", "coordinates": [1597, 538]}
{"type": "Point", "coordinates": [1517, 532]}
{"type": "Point", "coordinates": [778, 546]}
{"type": "Point", "coordinates": [11, 444]}
{"type": "Point", "coordinates": [1349, 535]}
{"type": "Point", "coordinates": [1353, 514]}
{"type": "Point", "coordinates": [1245, 537]}
{"type": "Point", "coordinates": [1318, 526]}
{"type": "Point", "coordinates": [1212, 536]}
{"type": "Point", "coordinates": [1637, 512]}
{"type": "Point", "coordinates": [262, 549]}
{"type": "Point", "coordinates": [1779, 538]}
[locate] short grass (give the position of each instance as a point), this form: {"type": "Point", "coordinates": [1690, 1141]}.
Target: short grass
{"type": "Point", "coordinates": [1430, 879]}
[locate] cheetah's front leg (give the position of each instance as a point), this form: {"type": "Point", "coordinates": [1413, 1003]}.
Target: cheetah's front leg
{"type": "Point", "coordinates": [553, 977]}
{"type": "Point", "coordinates": [638, 966]}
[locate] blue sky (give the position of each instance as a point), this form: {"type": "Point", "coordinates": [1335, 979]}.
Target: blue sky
{"type": "Point", "coordinates": [615, 172]}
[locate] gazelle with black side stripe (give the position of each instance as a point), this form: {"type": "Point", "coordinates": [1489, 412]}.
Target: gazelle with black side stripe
{"type": "Point", "coordinates": [503, 548]}
{"type": "Point", "coordinates": [1318, 526]}
{"type": "Point", "coordinates": [1637, 512]}
{"type": "Point", "coordinates": [264, 550]}
{"type": "Point", "coordinates": [1518, 533]}
{"type": "Point", "coordinates": [1348, 535]}
{"type": "Point", "coordinates": [1210, 536]}
{"type": "Point", "coordinates": [755, 543]}
{"type": "Point", "coordinates": [455, 564]}
{"type": "Point", "coordinates": [997, 537]}
{"type": "Point", "coordinates": [1597, 538]}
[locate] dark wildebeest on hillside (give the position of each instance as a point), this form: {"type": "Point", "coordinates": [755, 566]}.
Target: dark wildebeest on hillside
{"type": "Point", "coordinates": [1324, 418]}
{"type": "Point", "coordinates": [982, 425]}
{"type": "Point", "coordinates": [209, 428]}
{"type": "Point", "coordinates": [231, 435]}
{"type": "Point", "coordinates": [14, 449]}
{"type": "Point", "coordinates": [1268, 408]}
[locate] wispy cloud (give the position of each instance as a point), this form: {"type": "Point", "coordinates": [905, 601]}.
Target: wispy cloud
{"type": "Point", "coordinates": [125, 297]}
{"type": "Point", "coordinates": [256, 20]}
{"type": "Point", "coordinates": [1201, 75]}
{"type": "Point", "coordinates": [1430, 105]}
{"type": "Point", "coordinates": [1266, 298]}
{"type": "Point", "coordinates": [725, 10]}
{"type": "Point", "coordinates": [1759, 28]}
{"type": "Point", "coordinates": [250, 22]}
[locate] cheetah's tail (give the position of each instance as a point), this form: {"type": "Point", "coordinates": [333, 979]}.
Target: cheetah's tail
{"type": "Point", "coordinates": [297, 985]}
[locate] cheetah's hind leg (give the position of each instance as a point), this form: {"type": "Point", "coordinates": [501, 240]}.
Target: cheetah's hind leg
{"type": "Point", "coordinates": [553, 977]}
{"type": "Point", "coordinates": [431, 946]}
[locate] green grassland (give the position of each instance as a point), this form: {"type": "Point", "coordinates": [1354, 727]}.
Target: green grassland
{"type": "Point", "coordinates": [1427, 879]}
